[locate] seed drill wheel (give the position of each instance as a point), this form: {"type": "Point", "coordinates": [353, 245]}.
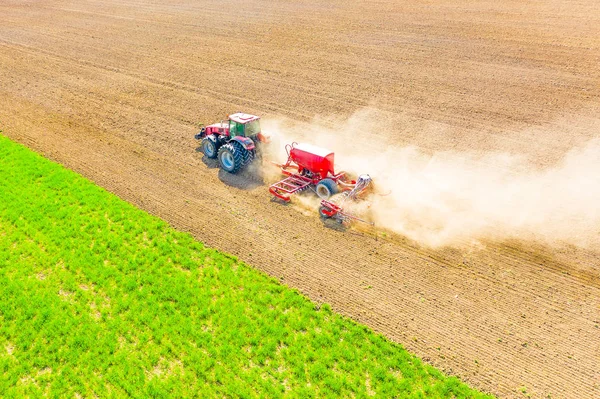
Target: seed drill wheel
{"type": "Point", "coordinates": [326, 188]}
{"type": "Point", "coordinates": [323, 212]}
{"type": "Point", "coordinates": [232, 157]}
{"type": "Point", "coordinates": [209, 148]}
{"type": "Point", "coordinates": [337, 199]}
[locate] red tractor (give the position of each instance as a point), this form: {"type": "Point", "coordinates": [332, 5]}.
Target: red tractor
{"type": "Point", "coordinates": [235, 142]}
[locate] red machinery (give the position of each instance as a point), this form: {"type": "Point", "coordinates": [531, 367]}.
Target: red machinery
{"type": "Point", "coordinates": [309, 166]}
{"type": "Point", "coordinates": [334, 208]}
{"type": "Point", "coordinates": [235, 142]}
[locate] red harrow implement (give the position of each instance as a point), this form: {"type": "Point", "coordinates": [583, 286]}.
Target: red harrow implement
{"type": "Point", "coordinates": [335, 208]}
{"type": "Point", "coordinates": [312, 167]}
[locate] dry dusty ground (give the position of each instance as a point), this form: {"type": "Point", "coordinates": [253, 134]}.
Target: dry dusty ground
{"type": "Point", "coordinates": [114, 89]}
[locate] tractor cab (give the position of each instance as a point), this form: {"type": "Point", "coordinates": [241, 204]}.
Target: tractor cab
{"type": "Point", "coordinates": [244, 125]}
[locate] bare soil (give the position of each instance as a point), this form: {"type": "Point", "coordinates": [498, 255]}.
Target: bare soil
{"type": "Point", "coordinates": [114, 90]}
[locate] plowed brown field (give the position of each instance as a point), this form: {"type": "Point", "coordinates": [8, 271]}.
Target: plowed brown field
{"type": "Point", "coordinates": [114, 89]}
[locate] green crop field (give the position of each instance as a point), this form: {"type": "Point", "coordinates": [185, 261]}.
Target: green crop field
{"type": "Point", "coordinates": [100, 299]}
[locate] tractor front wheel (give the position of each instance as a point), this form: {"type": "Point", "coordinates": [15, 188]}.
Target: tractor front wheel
{"type": "Point", "coordinates": [231, 157]}
{"type": "Point", "coordinates": [209, 148]}
{"type": "Point", "coordinates": [326, 188]}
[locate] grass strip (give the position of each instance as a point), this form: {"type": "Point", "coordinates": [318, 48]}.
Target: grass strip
{"type": "Point", "coordinates": [98, 298]}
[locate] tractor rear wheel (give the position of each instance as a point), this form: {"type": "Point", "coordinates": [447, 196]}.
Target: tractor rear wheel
{"type": "Point", "coordinates": [231, 157]}
{"type": "Point", "coordinates": [209, 148]}
{"type": "Point", "coordinates": [248, 156]}
{"type": "Point", "coordinates": [326, 188]}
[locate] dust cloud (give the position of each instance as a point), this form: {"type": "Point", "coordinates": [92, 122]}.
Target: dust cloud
{"type": "Point", "coordinates": [447, 198]}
